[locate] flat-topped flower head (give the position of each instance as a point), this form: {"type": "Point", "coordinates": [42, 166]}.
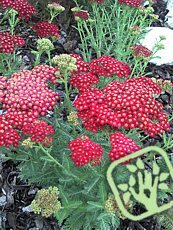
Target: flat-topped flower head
{"type": "Point", "coordinates": [111, 205]}
{"type": "Point", "coordinates": [44, 44]}
{"type": "Point", "coordinates": [24, 8]}
{"type": "Point", "coordinates": [27, 143]}
{"type": "Point", "coordinates": [108, 66]}
{"type": "Point", "coordinates": [133, 3]}
{"type": "Point", "coordinates": [55, 7]}
{"type": "Point", "coordinates": [135, 30]}
{"type": "Point", "coordinates": [85, 151]}
{"type": "Point", "coordinates": [46, 29]}
{"type": "Point", "coordinates": [65, 62]}
{"type": "Point", "coordinates": [38, 130]}
{"type": "Point", "coordinates": [129, 104]}
{"type": "Point", "coordinates": [141, 51]}
{"type": "Point", "coordinates": [8, 136]}
{"type": "Point", "coordinates": [84, 81]}
{"type": "Point", "coordinates": [14, 124]}
{"type": "Point", "coordinates": [10, 124]}
{"type": "Point", "coordinates": [81, 15]}
{"type": "Point", "coordinates": [28, 91]}
{"type": "Point", "coordinates": [8, 42]}
{"type": "Point", "coordinates": [166, 85]}
{"type": "Point", "coordinates": [121, 146]}
{"type": "Point", "coordinates": [46, 202]}
{"type": "Point", "coordinates": [73, 118]}
{"type": "Point", "coordinates": [82, 66]}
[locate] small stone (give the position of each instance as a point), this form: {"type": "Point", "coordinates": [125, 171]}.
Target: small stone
{"type": "Point", "coordinates": [27, 209]}
{"type": "Point", "coordinates": [26, 59]}
{"type": "Point", "coordinates": [2, 201]}
{"type": "Point", "coordinates": [169, 16]}
{"type": "Point", "coordinates": [152, 37]}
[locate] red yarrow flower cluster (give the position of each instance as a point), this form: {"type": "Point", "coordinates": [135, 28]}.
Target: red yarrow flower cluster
{"type": "Point", "coordinates": [8, 136]}
{"type": "Point", "coordinates": [24, 8]}
{"type": "Point", "coordinates": [8, 42]}
{"type": "Point", "coordinates": [88, 104]}
{"type": "Point", "coordinates": [121, 146]}
{"type": "Point", "coordinates": [83, 15]}
{"type": "Point", "coordinates": [11, 123]}
{"type": "Point", "coordinates": [88, 74]}
{"type": "Point", "coordinates": [27, 91]}
{"type": "Point", "coordinates": [85, 151]}
{"type": "Point", "coordinates": [83, 82]}
{"type": "Point", "coordinates": [103, 66]}
{"type": "Point", "coordinates": [130, 104]}
{"type": "Point", "coordinates": [18, 119]}
{"type": "Point", "coordinates": [46, 73]}
{"type": "Point", "coordinates": [38, 131]}
{"type": "Point", "coordinates": [3, 83]}
{"type": "Point", "coordinates": [133, 3]}
{"type": "Point", "coordinates": [141, 51]}
{"type": "Point", "coordinates": [82, 66]}
{"type": "Point", "coordinates": [108, 66]}
{"type": "Point", "coordinates": [46, 29]}
{"type": "Point", "coordinates": [24, 97]}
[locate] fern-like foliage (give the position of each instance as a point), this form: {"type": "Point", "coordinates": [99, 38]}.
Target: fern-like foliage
{"type": "Point", "coordinates": [166, 219]}
{"type": "Point", "coordinates": [83, 190]}
{"type": "Point", "coordinates": [98, 220]}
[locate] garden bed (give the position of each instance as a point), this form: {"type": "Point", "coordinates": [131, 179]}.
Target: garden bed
{"type": "Point", "coordinates": [19, 189]}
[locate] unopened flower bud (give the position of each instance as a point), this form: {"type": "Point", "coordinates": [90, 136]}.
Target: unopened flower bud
{"type": "Point", "coordinates": [75, 9]}
{"type": "Point", "coordinates": [82, 15]}
{"type": "Point", "coordinates": [73, 118]}
{"type": "Point", "coordinates": [44, 44]}
{"type": "Point", "coordinates": [56, 7]}
{"type": "Point", "coordinates": [110, 204]}
{"type": "Point", "coordinates": [28, 143]}
{"type": "Point", "coordinates": [46, 202]}
{"type": "Point", "coordinates": [165, 85]}
{"type": "Point", "coordinates": [65, 61]}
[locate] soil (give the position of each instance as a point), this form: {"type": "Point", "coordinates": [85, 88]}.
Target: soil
{"type": "Point", "coordinates": [16, 194]}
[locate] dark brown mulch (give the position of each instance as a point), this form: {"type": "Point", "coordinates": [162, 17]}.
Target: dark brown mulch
{"type": "Point", "coordinates": [161, 11]}
{"type": "Point", "coordinates": [15, 197]}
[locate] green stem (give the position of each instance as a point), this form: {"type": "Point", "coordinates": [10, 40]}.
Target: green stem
{"type": "Point", "coordinates": [51, 19]}
{"type": "Point", "coordinates": [98, 28]}
{"type": "Point", "coordinates": [144, 138]}
{"type": "Point", "coordinates": [137, 61]}
{"type": "Point", "coordinates": [49, 58]}
{"type": "Point", "coordinates": [53, 14]}
{"type": "Point", "coordinates": [50, 157]}
{"type": "Point", "coordinates": [37, 59]}
{"type": "Point", "coordinates": [65, 75]}
{"type": "Point", "coordinates": [83, 40]}
{"type": "Point", "coordinates": [12, 21]}
{"type": "Point", "coordinates": [57, 163]}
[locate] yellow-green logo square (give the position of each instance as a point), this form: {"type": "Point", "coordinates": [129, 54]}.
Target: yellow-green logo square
{"type": "Point", "coordinates": [140, 181]}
